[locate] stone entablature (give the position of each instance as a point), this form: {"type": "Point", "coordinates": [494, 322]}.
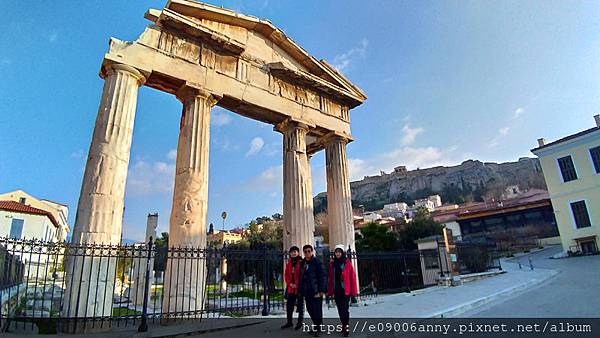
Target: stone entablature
{"type": "Point", "coordinates": [239, 58]}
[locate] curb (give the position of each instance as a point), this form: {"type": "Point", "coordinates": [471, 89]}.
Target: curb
{"type": "Point", "coordinates": [462, 308]}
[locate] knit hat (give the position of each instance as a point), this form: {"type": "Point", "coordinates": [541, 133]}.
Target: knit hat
{"type": "Point", "coordinates": [339, 246]}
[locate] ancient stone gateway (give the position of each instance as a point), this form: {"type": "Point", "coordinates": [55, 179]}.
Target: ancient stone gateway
{"type": "Point", "coordinates": [209, 56]}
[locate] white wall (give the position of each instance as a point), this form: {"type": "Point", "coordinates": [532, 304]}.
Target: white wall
{"type": "Point", "coordinates": [34, 226]}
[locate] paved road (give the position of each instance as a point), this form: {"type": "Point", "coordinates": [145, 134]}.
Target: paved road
{"type": "Point", "coordinates": [573, 292]}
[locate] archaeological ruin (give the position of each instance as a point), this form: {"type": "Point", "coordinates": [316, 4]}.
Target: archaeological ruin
{"type": "Point", "coordinates": [207, 56]}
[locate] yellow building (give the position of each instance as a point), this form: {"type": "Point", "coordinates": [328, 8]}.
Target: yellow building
{"type": "Point", "coordinates": [218, 238]}
{"type": "Point", "coordinates": [571, 167]}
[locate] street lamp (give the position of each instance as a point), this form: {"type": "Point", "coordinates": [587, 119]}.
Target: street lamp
{"type": "Point", "coordinates": [224, 216]}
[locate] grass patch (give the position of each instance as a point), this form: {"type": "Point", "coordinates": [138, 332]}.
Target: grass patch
{"type": "Point", "coordinates": [123, 311]}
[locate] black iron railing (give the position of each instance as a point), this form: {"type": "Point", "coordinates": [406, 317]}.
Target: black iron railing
{"type": "Point", "coordinates": [49, 287]}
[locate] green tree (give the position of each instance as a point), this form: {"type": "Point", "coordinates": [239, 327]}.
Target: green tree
{"type": "Point", "coordinates": [375, 237]}
{"type": "Point", "coordinates": [161, 245]}
{"type": "Point", "coordinates": [269, 233]}
{"type": "Point", "coordinates": [422, 225]}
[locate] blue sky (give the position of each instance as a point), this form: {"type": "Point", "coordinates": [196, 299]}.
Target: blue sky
{"type": "Point", "coordinates": [446, 81]}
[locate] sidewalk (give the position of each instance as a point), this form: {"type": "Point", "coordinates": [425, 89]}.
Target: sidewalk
{"type": "Point", "coordinates": [451, 301]}
{"type": "Point", "coordinates": [425, 303]}
{"type": "Point", "coordinates": [440, 301]}
{"type": "Point", "coordinates": [430, 302]}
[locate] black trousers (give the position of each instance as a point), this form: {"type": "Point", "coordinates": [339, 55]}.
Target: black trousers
{"type": "Point", "coordinates": [342, 302]}
{"type": "Point", "coordinates": [314, 306]}
{"type": "Point", "coordinates": [294, 300]}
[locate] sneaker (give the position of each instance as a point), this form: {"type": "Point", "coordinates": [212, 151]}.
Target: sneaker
{"type": "Point", "coordinates": [298, 326]}
{"type": "Point", "coordinates": [287, 325]}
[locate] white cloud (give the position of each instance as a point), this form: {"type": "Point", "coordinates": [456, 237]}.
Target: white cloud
{"type": "Point", "coordinates": [342, 61]}
{"type": "Point", "coordinates": [256, 145]}
{"type": "Point", "coordinates": [220, 118]}
{"type": "Point", "coordinates": [146, 178]}
{"type": "Point", "coordinates": [495, 141]}
{"type": "Point", "coordinates": [358, 169]}
{"type": "Point", "coordinates": [414, 157]}
{"type": "Point", "coordinates": [518, 112]}
{"type": "Point", "coordinates": [172, 154]}
{"type": "Point", "coordinates": [270, 180]}
{"type": "Point", "coordinates": [410, 134]}
{"type": "Point", "coordinates": [224, 144]}
{"type": "Point", "coordinates": [411, 157]}
{"type": "Point", "coordinates": [272, 148]}
{"type": "Point", "coordinates": [78, 154]}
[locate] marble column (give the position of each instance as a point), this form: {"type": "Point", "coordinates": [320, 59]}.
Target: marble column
{"type": "Point", "coordinates": [298, 218]}
{"type": "Point", "coordinates": [339, 198]}
{"type": "Point", "coordinates": [185, 272]}
{"type": "Point", "coordinates": [100, 208]}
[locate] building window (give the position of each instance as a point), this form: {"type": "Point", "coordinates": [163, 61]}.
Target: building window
{"type": "Point", "coordinates": [22, 200]}
{"type": "Point", "coordinates": [567, 168]}
{"type": "Point", "coordinates": [16, 228]}
{"type": "Point", "coordinates": [431, 261]}
{"type": "Point", "coordinates": [595, 154]}
{"type": "Point", "coordinates": [580, 214]}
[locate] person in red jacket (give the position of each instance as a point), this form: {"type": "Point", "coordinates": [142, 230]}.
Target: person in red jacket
{"type": "Point", "coordinates": [292, 279]}
{"type": "Point", "coordinates": [342, 285]}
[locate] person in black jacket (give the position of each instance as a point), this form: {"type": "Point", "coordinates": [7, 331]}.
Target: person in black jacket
{"type": "Point", "coordinates": [312, 286]}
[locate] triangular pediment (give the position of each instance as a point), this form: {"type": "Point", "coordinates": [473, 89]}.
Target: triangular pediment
{"type": "Point", "coordinates": [256, 38]}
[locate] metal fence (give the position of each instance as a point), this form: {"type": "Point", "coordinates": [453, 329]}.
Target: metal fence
{"type": "Point", "coordinates": [76, 288]}
{"type": "Point", "coordinates": [50, 287]}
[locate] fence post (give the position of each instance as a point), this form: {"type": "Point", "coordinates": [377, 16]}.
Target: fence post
{"type": "Point", "coordinates": [406, 273]}
{"type": "Point", "coordinates": [144, 324]}
{"type": "Point", "coordinates": [439, 258]}
{"type": "Point", "coordinates": [265, 310]}
{"type": "Point", "coordinates": [499, 263]}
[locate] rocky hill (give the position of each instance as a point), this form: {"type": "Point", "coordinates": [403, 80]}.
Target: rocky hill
{"type": "Point", "coordinates": [470, 181]}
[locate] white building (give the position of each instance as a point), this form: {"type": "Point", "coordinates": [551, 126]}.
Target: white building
{"type": "Point", "coordinates": [371, 216]}
{"type": "Point", "coordinates": [395, 210]}
{"type": "Point", "coordinates": [20, 221]}
{"type": "Point", "coordinates": [429, 203]}
{"type": "Point", "coordinates": [32, 217]}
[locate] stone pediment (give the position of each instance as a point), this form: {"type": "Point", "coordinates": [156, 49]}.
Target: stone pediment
{"type": "Point", "coordinates": [258, 41]}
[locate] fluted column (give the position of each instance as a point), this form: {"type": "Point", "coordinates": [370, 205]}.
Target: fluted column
{"type": "Point", "coordinates": [298, 218]}
{"type": "Point", "coordinates": [185, 272]}
{"type": "Point", "coordinates": [100, 208]}
{"type": "Point", "coordinates": [339, 198]}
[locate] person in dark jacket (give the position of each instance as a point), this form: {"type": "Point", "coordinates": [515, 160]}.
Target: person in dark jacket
{"type": "Point", "coordinates": [342, 285]}
{"type": "Point", "coordinates": [312, 286]}
{"type": "Point", "coordinates": [292, 278]}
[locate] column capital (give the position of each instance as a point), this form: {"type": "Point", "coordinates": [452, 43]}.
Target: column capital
{"type": "Point", "coordinates": [110, 68]}
{"type": "Point", "coordinates": [188, 91]}
{"type": "Point", "coordinates": [335, 136]}
{"type": "Point", "coordinates": [292, 123]}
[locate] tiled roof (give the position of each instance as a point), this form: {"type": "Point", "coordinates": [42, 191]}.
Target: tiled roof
{"type": "Point", "coordinates": [27, 209]}
{"type": "Point", "coordinates": [529, 198]}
